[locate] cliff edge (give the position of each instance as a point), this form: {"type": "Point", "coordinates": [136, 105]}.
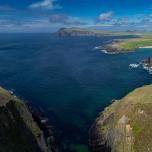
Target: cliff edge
{"type": "Point", "coordinates": [18, 131]}
{"type": "Point", "coordinates": [126, 125]}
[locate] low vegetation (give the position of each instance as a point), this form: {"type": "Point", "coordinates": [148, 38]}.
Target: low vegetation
{"type": "Point", "coordinates": [134, 43]}
{"type": "Point", "coordinates": [126, 125]}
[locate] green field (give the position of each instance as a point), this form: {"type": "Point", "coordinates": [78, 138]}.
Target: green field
{"type": "Point", "coordinates": [135, 43]}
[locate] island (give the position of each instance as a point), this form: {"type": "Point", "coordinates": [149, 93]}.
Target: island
{"type": "Point", "coordinates": [19, 130]}
{"type": "Point", "coordinates": [126, 125]}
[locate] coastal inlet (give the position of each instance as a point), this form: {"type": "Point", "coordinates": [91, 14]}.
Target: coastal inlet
{"type": "Point", "coordinates": [70, 81]}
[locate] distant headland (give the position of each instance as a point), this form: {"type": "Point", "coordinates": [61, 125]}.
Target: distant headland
{"type": "Point", "coordinates": [130, 41]}
{"type": "Point", "coordinates": [89, 32]}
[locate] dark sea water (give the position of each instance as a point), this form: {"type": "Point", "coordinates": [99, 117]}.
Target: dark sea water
{"type": "Point", "coordinates": [68, 79]}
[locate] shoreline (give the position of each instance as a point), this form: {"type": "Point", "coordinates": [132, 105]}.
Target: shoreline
{"type": "Point", "coordinates": [145, 47]}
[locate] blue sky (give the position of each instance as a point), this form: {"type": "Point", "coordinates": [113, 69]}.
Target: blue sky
{"type": "Point", "coordinates": [49, 15]}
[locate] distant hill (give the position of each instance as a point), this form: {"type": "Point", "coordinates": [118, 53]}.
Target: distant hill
{"type": "Point", "coordinates": [89, 32]}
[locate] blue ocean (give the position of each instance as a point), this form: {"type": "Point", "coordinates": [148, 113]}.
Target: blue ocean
{"type": "Point", "coordinates": [68, 79]}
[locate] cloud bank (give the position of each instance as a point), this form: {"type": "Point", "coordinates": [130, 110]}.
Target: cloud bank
{"type": "Point", "coordinates": [45, 4]}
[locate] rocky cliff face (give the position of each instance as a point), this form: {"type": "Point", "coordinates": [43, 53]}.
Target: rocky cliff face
{"type": "Point", "coordinates": [76, 32]}
{"type": "Point", "coordinates": [18, 131]}
{"type": "Point", "coordinates": [126, 125]}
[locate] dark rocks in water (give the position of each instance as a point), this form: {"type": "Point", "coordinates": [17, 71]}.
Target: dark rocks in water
{"type": "Point", "coordinates": [147, 64]}
{"type": "Point", "coordinates": [48, 130]}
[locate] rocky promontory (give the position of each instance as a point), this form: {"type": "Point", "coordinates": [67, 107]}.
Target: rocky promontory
{"type": "Point", "coordinates": [76, 32]}
{"type": "Point", "coordinates": [19, 132]}
{"type": "Point", "coordinates": [89, 32]}
{"type": "Point", "coordinates": [126, 125]}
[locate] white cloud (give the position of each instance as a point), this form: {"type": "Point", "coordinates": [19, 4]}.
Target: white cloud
{"type": "Point", "coordinates": [105, 16]}
{"type": "Point", "coordinates": [45, 4]}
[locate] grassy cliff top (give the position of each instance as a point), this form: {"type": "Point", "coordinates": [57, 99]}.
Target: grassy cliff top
{"type": "Point", "coordinates": [5, 97]}
{"type": "Point", "coordinates": [143, 39]}
{"type": "Point", "coordinates": [127, 123]}
{"type": "Point", "coordinates": [132, 44]}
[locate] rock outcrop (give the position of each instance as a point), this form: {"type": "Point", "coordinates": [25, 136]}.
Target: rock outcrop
{"type": "Point", "coordinates": [77, 32]}
{"type": "Point", "coordinates": [18, 131]}
{"type": "Point", "coordinates": [126, 125]}
{"type": "Point", "coordinates": [114, 48]}
{"type": "Point", "coordinates": [90, 32]}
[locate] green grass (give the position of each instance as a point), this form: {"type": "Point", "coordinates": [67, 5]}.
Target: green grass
{"type": "Point", "coordinates": [137, 130]}
{"type": "Point", "coordinates": [79, 148]}
{"type": "Point", "coordinates": [135, 43]}
{"type": "Point", "coordinates": [18, 104]}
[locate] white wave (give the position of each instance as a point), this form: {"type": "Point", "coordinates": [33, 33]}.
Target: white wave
{"type": "Point", "coordinates": [149, 69]}
{"type": "Point", "coordinates": [97, 48]}
{"type": "Point", "coordinates": [134, 65]}
{"type": "Point", "coordinates": [106, 52]}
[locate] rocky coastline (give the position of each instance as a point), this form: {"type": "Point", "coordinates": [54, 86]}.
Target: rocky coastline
{"type": "Point", "coordinates": [147, 64]}
{"type": "Point", "coordinates": [111, 47]}
{"type": "Point", "coordinates": [124, 126]}
{"type": "Point", "coordinates": [22, 129]}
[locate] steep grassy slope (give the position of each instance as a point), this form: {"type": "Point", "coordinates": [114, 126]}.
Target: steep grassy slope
{"type": "Point", "coordinates": [126, 125]}
{"type": "Point", "coordinates": [18, 131]}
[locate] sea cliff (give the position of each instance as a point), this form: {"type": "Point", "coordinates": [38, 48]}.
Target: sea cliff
{"type": "Point", "coordinates": [126, 125]}
{"type": "Point", "coordinates": [18, 130]}
{"type": "Point", "coordinates": [89, 32]}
